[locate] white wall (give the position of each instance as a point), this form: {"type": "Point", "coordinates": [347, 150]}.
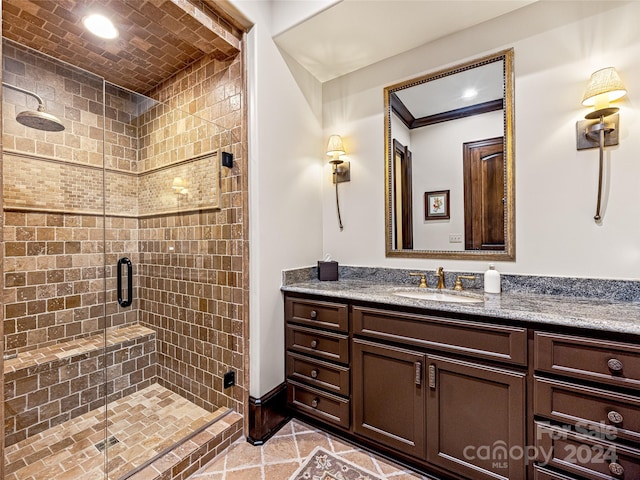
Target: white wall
{"type": "Point", "coordinates": [437, 165]}
{"type": "Point", "coordinates": [285, 217]}
{"type": "Point", "coordinates": [557, 46]}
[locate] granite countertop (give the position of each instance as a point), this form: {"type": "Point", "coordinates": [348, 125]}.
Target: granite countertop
{"type": "Point", "coordinates": [597, 314]}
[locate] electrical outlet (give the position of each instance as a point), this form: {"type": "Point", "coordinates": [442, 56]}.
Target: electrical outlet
{"type": "Point", "coordinates": [229, 379]}
{"type": "Point", "coordinates": [455, 238]}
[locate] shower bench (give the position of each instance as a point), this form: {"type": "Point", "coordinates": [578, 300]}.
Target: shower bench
{"type": "Point", "coordinates": [47, 386]}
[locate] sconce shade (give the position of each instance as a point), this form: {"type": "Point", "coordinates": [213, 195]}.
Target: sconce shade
{"type": "Point", "coordinates": [335, 148]}
{"type": "Point", "coordinates": [604, 81]}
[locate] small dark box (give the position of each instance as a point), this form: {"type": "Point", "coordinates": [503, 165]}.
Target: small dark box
{"type": "Point", "coordinates": [227, 159]}
{"type": "Point", "coordinates": [327, 271]}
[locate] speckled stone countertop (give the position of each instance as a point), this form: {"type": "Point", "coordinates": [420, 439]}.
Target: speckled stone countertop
{"type": "Point", "coordinates": [621, 316]}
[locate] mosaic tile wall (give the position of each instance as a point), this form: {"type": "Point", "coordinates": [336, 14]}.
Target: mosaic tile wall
{"type": "Point", "coordinates": [193, 266]}
{"type": "Point", "coordinates": [42, 184]}
{"type": "Point", "coordinates": [185, 186]}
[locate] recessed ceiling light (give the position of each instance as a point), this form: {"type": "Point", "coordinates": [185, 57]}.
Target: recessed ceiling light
{"type": "Point", "coordinates": [469, 93]}
{"type": "Point", "coordinates": [100, 26]}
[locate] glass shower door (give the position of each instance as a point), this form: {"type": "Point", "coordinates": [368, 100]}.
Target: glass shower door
{"type": "Point", "coordinates": [53, 268]}
{"type": "Point", "coordinates": [122, 261]}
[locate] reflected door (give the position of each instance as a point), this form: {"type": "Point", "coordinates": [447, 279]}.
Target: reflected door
{"type": "Point", "coordinates": [484, 194]}
{"type": "Point", "coordinates": [402, 194]}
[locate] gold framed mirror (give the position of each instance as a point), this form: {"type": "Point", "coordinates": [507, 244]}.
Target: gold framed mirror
{"type": "Point", "coordinates": [449, 163]}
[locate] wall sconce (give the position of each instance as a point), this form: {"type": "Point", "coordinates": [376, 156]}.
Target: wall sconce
{"type": "Point", "coordinates": [179, 186]}
{"type": "Point", "coordinates": [341, 169]}
{"type": "Point", "coordinates": [604, 87]}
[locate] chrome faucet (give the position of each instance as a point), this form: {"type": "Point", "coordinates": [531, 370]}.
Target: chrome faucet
{"type": "Point", "coordinates": [440, 274]}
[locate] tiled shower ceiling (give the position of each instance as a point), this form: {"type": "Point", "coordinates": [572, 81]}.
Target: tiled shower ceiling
{"type": "Point", "coordinates": [157, 37]}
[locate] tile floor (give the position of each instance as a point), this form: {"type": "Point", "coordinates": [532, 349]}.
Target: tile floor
{"type": "Point", "coordinates": [286, 451]}
{"type": "Point", "coordinates": [144, 423]}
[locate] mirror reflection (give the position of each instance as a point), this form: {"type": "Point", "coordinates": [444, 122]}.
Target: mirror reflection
{"type": "Point", "coordinates": [449, 162]}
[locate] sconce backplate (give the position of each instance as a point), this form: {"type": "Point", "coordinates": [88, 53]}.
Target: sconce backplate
{"type": "Point", "coordinates": [610, 138]}
{"type": "Point", "coordinates": [342, 173]}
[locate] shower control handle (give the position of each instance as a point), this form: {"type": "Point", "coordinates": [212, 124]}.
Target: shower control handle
{"type": "Point", "coordinates": [129, 299]}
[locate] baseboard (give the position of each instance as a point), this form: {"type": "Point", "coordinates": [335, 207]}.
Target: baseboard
{"type": "Point", "coordinates": [267, 414]}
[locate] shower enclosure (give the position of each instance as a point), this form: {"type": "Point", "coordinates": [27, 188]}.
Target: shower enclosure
{"type": "Point", "coordinates": [120, 270]}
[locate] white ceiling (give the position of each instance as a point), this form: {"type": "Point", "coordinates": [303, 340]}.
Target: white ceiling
{"type": "Point", "coordinates": [448, 93]}
{"type": "Point", "coordinates": [355, 33]}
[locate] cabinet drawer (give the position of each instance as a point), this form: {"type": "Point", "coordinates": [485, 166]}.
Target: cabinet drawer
{"type": "Point", "coordinates": [604, 413]}
{"type": "Point", "coordinates": [317, 313]}
{"type": "Point", "coordinates": [584, 456]}
{"type": "Point", "coordinates": [322, 405]}
{"type": "Point", "coordinates": [327, 345]}
{"type": "Point", "coordinates": [495, 342]}
{"type": "Point", "coordinates": [541, 473]}
{"type": "Point", "coordinates": [598, 360]}
{"type": "Point", "coordinates": [328, 376]}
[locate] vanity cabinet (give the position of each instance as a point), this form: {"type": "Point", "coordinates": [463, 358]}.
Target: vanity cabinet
{"type": "Point", "coordinates": [587, 406]}
{"type": "Point", "coordinates": [410, 393]}
{"type": "Point", "coordinates": [466, 397]}
{"type": "Point", "coordinates": [317, 360]}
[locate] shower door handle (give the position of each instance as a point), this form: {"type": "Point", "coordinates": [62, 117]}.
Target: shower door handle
{"type": "Point", "coordinates": [121, 301]}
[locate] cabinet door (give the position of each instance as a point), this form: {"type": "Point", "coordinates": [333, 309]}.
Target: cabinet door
{"type": "Point", "coordinates": [475, 419]}
{"type": "Point", "coordinates": [388, 396]}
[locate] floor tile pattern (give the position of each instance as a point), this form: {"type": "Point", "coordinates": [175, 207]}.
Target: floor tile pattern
{"type": "Point", "coordinates": [286, 451]}
{"type": "Point", "coordinates": [144, 423]}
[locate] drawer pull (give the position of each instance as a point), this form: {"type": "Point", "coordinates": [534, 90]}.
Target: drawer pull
{"type": "Point", "coordinates": [316, 401]}
{"type": "Point", "coordinates": [314, 343]}
{"type": "Point", "coordinates": [615, 417]}
{"type": "Point", "coordinates": [614, 365]}
{"type": "Point", "coordinates": [314, 374]}
{"type": "Point", "coordinates": [616, 468]}
{"type": "Point", "coordinates": [313, 314]}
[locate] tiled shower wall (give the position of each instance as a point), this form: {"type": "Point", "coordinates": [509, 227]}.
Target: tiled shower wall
{"type": "Point", "coordinates": [188, 267]}
{"type": "Point", "coordinates": [54, 231]}
{"type": "Point", "coordinates": [192, 265]}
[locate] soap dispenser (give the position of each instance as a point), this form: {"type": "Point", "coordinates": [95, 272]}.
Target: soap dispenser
{"type": "Point", "coordinates": [492, 280]}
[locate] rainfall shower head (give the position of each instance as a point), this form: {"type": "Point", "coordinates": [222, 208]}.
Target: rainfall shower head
{"type": "Point", "coordinates": [40, 120]}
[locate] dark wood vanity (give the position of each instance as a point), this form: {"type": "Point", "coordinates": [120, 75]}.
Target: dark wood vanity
{"type": "Point", "coordinates": [464, 396]}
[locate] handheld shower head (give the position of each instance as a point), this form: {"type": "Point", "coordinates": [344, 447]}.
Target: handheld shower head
{"type": "Point", "coordinates": [40, 120]}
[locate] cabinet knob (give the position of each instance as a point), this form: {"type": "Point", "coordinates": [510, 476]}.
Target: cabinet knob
{"type": "Point", "coordinates": [314, 343]}
{"type": "Point", "coordinates": [316, 401]}
{"type": "Point", "coordinates": [615, 417]}
{"type": "Point", "coordinates": [616, 468]}
{"type": "Point", "coordinates": [314, 373]}
{"type": "Point", "coordinates": [614, 365]}
{"type": "Point", "coordinates": [313, 314]}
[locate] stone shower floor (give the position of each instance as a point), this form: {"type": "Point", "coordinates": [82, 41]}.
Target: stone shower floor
{"type": "Point", "coordinates": [144, 424]}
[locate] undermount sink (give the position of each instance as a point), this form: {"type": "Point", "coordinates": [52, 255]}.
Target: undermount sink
{"type": "Point", "coordinates": [438, 296]}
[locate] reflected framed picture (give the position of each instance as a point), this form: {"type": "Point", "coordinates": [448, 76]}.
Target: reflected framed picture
{"type": "Point", "coordinates": [436, 205]}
